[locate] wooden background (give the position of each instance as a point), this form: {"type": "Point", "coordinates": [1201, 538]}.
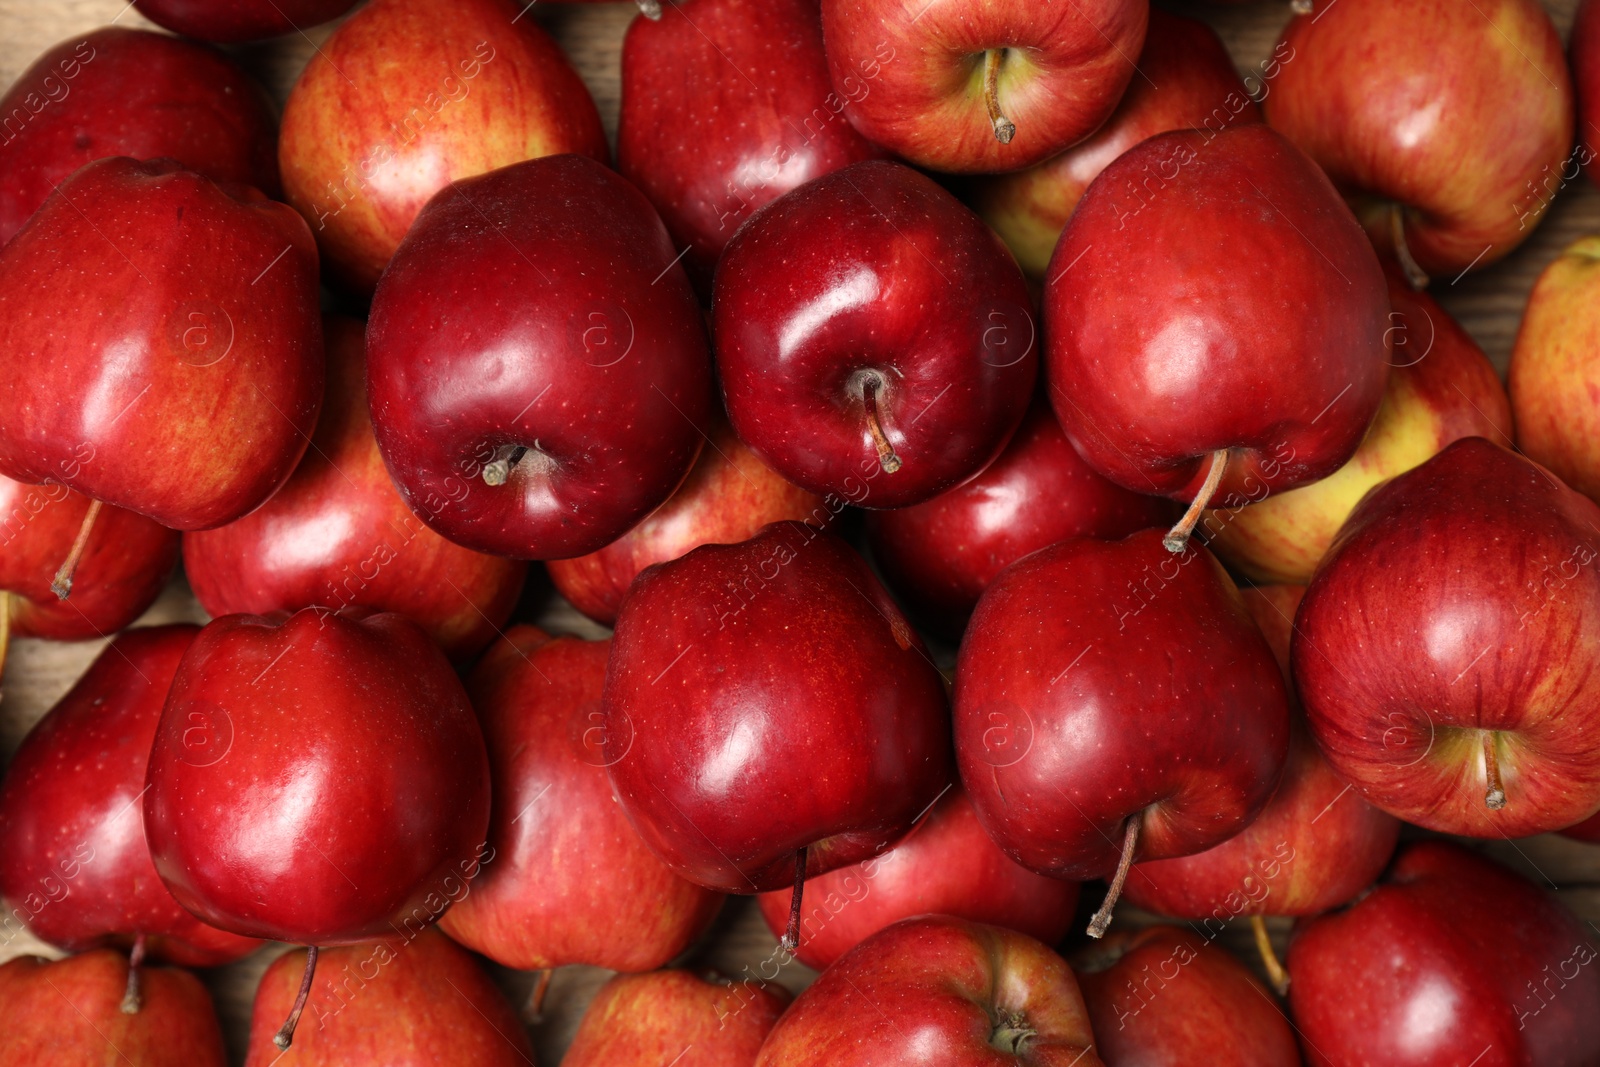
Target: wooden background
{"type": "Point", "coordinates": [1489, 304]}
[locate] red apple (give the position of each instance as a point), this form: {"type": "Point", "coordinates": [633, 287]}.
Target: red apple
{"type": "Point", "coordinates": [1164, 997]}
{"type": "Point", "coordinates": [1585, 52]}
{"type": "Point", "coordinates": [570, 881]}
{"type": "Point", "coordinates": [160, 348]}
{"type": "Point", "coordinates": [536, 361]}
{"type": "Point", "coordinates": [338, 535]}
{"type": "Point", "coordinates": [232, 21]}
{"type": "Point", "coordinates": [1215, 319]}
{"type": "Point", "coordinates": [1448, 651]}
{"type": "Point", "coordinates": [977, 87]}
{"type": "Point", "coordinates": [1448, 122]}
{"type": "Point", "coordinates": [1112, 695]}
{"type": "Point", "coordinates": [68, 1012]}
{"type": "Point", "coordinates": [726, 105]}
{"type": "Point", "coordinates": [117, 92]}
{"type": "Point", "coordinates": [728, 496]}
{"type": "Point", "coordinates": [416, 999]}
{"type": "Point", "coordinates": [870, 327]}
{"type": "Point", "coordinates": [1459, 962]}
{"type": "Point", "coordinates": [940, 555]}
{"type": "Point", "coordinates": [408, 96]}
{"type": "Point", "coordinates": [948, 866]}
{"type": "Point", "coordinates": [652, 1020]}
{"type": "Point", "coordinates": [1186, 80]}
{"type": "Point", "coordinates": [938, 990]}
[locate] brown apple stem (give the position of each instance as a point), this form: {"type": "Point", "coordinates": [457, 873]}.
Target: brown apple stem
{"type": "Point", "coordinates": [1177, 538]}
{"type": "Point", "coordinates": [1495, 796]}
{"type": "Point", "coordinates": [497, 470]}
{"type": "Point", "coordinates": [1130, 842]}
{"type": "Point", "coordinates": [132, 1000]}
{"type": "Point", "coordinates": [886, 457]}
{"type": "Point", "coordinates": [791, 936]}
{"type": "Point", "coordinates": [1415, 275]}
{"type": "Point", "coordinates": [650, 9]}
{"type": "Point", "coordinates": [1269, 958]}
{"type": "Point", "coordinates": [1302, 7]}
{"type": "Point", "coordinates": [5, 629]}
{"type": "Point", "coordinates": [1004, 128]}
{"type": "Point", "coordinates": [61, 584]}
{"type": "Point", "coordinates": [285, 1035]}
{"type": "Point", "coordinates": [533, 1011]}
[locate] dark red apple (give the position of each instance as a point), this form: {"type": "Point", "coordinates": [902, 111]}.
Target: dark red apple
{"type": "Point", "coordinates": [1459, 962]}
{"type": "Point", "coordinates": [408, 96]}
{"type": "Point", "coordinates": [726, 105]}
{"type": "Point", "coordinates": [117, 92]}
{"type": "Point", "coordinates": [536, 361]}
{"type": "Point", "coordinates": [69, 1012]}
{"type": "Point", "coordinates": [232, 21]}
{"type": "Point", "coordinates": [975, 86]}
{"type": "Point", "coordinates": [412, 999]}
{"type": "Point", "coordinates": [338, 535]}
{"type": "Point", "coordinates": [768, 712]}
{"type": "Point", "coordinates": [870, 328]}
{"type": "Point", "coordinates": [940, 555]}
{"type": "Point", "coordinates": [948, 866]}
{"type": "Point", "coordinates": [570, 881]}
{"type": "Point", "coordinates": [652, 1020]}
{"type": "Point", "coordinates": [190, 390]}
{"type": "Point", "coordinates": [1113, 702]}
{"type": "Point", "coordinates": [1584, 48]}
{"type": "Point", "coordinates": [1216, 321]}
{"type": "Point", "coordinates": [1448, 651]}
{"type": "Point", "coordinates": [938, 990]}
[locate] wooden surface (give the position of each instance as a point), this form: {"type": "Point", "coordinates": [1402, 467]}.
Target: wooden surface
{"type": "Point", "coordinates": [1489, 304]}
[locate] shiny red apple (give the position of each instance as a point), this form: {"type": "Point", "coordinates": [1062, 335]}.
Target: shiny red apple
{"type": "Point", "coordinates": [874, 339]}
{"type": "Point", "coordinates": [649, 1020]}
{"type": "Point", "coordinates": [338, 535]}
{"type": "Point", "coordinates": [536, 361]}
{"type": "Point", "coordinates": [1584, 48]}
{"type": "Point", "coordinates": [233, 21]}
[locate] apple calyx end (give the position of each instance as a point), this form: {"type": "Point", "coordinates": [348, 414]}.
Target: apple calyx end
{"type": "Point", "coordinates": [1012, 1033]}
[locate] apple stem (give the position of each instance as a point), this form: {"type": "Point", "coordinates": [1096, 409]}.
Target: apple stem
{"type": "Point", "coordinates": [533, 1011]}
{"type": "Point", "coordinates": [1415, 275]}
{"type": "Point", "coordinates": [650, 9]}
{"type": "Point", "coordinates": [496, 471]}
{"type": "Point", "coordinates": [1269, 958]}
{"type": "Point", "coordinates": [1102, 918]}
{"type": "Point", "coordinates": [61, 584]}
{"type": "Point", "coordinates": [1004, 128]}
{"type": "Point", "coordinates": [131, 998]}
{"type": "Point", "coordinates": [791, 936]}
{"type": "Point", "coordinates": [285, 1035]}
{"type": "Point", "coordinates": [869, 395]}
{"type": "Point", "coordinates": [1302, 7]}
{"type": "Point", "coordinates": [1177, 538]}
{"type": "Point", "coordinates": [5, 629]}
{"type": "Point", "coordinates": [1495, 797]}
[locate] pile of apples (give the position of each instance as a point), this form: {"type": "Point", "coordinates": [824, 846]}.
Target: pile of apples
{"type": "Point", "coordinates": [1024, 337]}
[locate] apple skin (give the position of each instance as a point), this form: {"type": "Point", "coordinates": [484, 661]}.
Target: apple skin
{"type": "Point", "coordinates": [645, 1020]}
{"type": "Point", "coordinates": [472, 352]}
{"type": "Point", "coordinates": [707, 144]}
{"type": "Point", "coordinates": [316, 779]}
{"type": "Point", "coordinates": [125, 564]}
{"type": "Point", "coordinates": [765, 697]}
{"type": "Point", "coordinates": [72, 847]}
{"type": "Point", "coordinates": [69, 1012]}
{"type": "Point", "coordinates": [873, 274]}
{"type": "Point", "coordinates": [1447, 593]}
{"type": "Point", "coordinates": [338, 535]}
{"type": "Point", "coordinates": [1313, 847]}
{"type": "Point", "coordinates": [379, 121]}
{"type": "Point", "coordinates": [1163, 996]}
{"type": "Point", "coordinates": [1459, 113]}
{"type": "Point", "coordinates": [1555, 369]}
{"type": "Point", "coordinates": [1584, 49]}
{"type": "Point", "coordinates": [1441, 388]}
{"type": "Point", "coordinates": [117, 92]}
{"type": "Point", "coordinates": [1458, 958]}
{"type": "Point", "coordinates": [570, 882]}
{"type": "Point", "coordinates": [728, 496]}
{"type": "Point", "coordinates": [1188, 81]}
{"type": "Point", "coordinates": [939, 556]}
{"type": "Point", "coordinates": [233, 21]}
{"type": "Point", "coordinates": [1152, 373]}
{"type": "Point", "coordinates": [402, 1001]}
{"type": "Point", "coordinates": [1588, 830]}
{"type": "Point", "coordinates": [927, 104]}
{"type": "Point", "coordinates": [188, 398]}
{"type": "Point", "coordinates": [970, 995]}
{"type": "Point", "coordinates": [947, 866]}
{"type": "Point", "coordinates": [1149, 654]}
